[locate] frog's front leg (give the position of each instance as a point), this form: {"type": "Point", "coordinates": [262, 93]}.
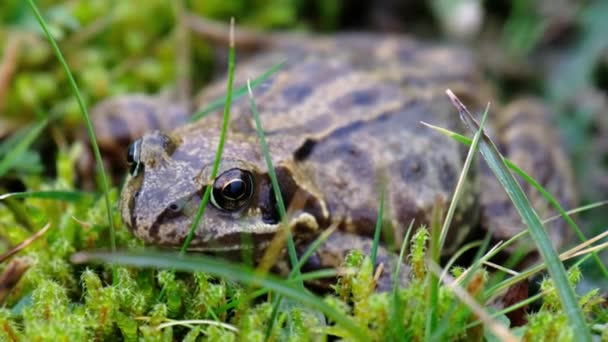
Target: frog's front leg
{"type": "Point", "coordinates": [332, 252]}
{"type": "Point", "coordinates": [528, 139]}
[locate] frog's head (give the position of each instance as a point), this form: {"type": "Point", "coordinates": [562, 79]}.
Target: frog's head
{"type": "Point", "coordinates": [168, 178]}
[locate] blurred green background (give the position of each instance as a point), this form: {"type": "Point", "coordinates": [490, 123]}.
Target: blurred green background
{"type": "Point", "coordinates": [556, 50]}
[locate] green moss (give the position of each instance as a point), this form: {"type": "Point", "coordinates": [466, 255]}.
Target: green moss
{"type": "Point", "coordinates": [56, 300]}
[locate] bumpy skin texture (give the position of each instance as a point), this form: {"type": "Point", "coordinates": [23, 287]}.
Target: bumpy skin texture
{"type": "Point", "coordinates": [341, 116]}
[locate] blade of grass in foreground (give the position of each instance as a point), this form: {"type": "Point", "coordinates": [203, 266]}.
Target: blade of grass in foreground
{"type": "Point", "coordinates": [224, 269]}
{"type": "Point", "coordinates": [291, 248]}
{"type": "Point", "coordinates": [439, 234]}
{"type": "Point", "coordinates": [467, 141]}
{"type": "Point", "coordinates": [520, 201]}
{"type": "Point", "coordinates": [85, 114]}
{"type": "Point", "coordinates": [396, 328]}
{"type": "Point", "coordinates": [432, 280]}
{"type": "Point", "coordinates": [220, 147]}
{"type": "Point", "coordinates": [21, 146]}
{"type": "Point", "coordinates": [66, 196]}
{"type": "Point", "coordinates": [218, 155]}
{"type": "Point", "coordinates": [461, 181]}
{"type": "Point", "coordinates": [302, 277]}
{"type": "Point", "coordinates": [378, 228]}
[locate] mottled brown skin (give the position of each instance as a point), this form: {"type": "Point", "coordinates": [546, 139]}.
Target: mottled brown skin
{"type": "Point", "coordinates": [343, 113]}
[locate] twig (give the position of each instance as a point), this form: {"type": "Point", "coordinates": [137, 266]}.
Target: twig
{"type": "Point", "coordinates": [8, 64]}
{"type": "Point", "coordinates": [12, 274]}
{"type": "Point", "coordinates": [25, 243]}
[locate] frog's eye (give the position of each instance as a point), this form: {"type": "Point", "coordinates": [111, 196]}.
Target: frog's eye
{"type": "Point", "coordinates": [133, 157]}
{"type": "Point", "coordinates": [232, 190]}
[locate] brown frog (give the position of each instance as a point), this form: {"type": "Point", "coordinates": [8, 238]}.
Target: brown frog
{"type": "Point", "coordinates": [343, 113]}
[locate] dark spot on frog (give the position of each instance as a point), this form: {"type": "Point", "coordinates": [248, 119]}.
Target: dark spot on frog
{"type": "Point", "coordinates": [346, 130]}
{"type": "Point", "coordinates": [363, 221]}
{"type": "Point", "coordinates": [304, 151]}
{"type": "Point", "coordinates": [406, 210]}
{"type": "Point", "coordinates": [171, 235]}
{"type": "Point", "coordinates": [173, 210]}
{"type": "Point", "coordinates": [413, 168]}
{"type": "Point", "coordinates": [132, 219]}
{"type": "Point", "coordinates": [447, 175]}
{"type": "Point", "coordinates": [267, 203]}
{"type": "Point", "coordinates": [361, 97]}
{"type": "Point", "coordinates": [295, 94]}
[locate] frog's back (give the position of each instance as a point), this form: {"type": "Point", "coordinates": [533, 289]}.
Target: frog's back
{"type": "Point", "coordinates": [348, 111]}
{"type": "Point", "coordinates": [327, 83]}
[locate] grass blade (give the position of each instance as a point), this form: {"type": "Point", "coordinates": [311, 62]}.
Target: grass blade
{"type": "Point", "coordinates": [432, 280]}
{"type": "Point", "coordinates": [85, 114]}
{"type": "Point", "coordinates": [520, 201]}
{"type": "Point", "coordinates": [461, 180]}
{"type": "Point", "coordinates": [562, 212]}
{"type": "Point", "coordinates": [396, 321]}
{"type": "Point", "coordinates": [220, 147]}
{"type": "Point", "coordinates": [291, 249]}
{"type": "Point", "coordinates": [374, 251]}
{"type": "Point", "coordinates": [66, 196]}
{"type": "Point", "coordinates": [313, 247]}
{"type": "Point", "coordinates": [15, 151]}
{"type": "Point", "coordinates": [224, 269]}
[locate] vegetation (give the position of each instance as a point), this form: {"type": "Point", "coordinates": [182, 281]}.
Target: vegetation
{"type": "Point", "coordinates": [59, 292]}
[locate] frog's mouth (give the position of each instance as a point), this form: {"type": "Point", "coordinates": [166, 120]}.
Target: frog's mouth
{"type": "Point", "coordinates": [257, 237]}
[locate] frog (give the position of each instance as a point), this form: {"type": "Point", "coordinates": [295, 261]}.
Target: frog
{"type": "Point", "coordinates": [343, 121]}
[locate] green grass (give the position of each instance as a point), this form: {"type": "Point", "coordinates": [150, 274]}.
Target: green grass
{"type": "Point", "coordinates": [552, 200]}
{"type": "Point", "coordinates": [535, 227]}
{"type": "Point", "coordinates": [220, 148]}
{"type": "Point", "coordinates": [13, 149]}
{"type": "Point", "coordinates": [59, 300]}
{"type": "Point", "coordinates": [291, 249]}
{"type": "Point", "coordinates": [87, 119]}
{"type": "Point", "coordinates": [68, 196]}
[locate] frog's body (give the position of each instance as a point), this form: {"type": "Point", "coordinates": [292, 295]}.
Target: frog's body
{"type": "Point", "coordinates": [341, 117]}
